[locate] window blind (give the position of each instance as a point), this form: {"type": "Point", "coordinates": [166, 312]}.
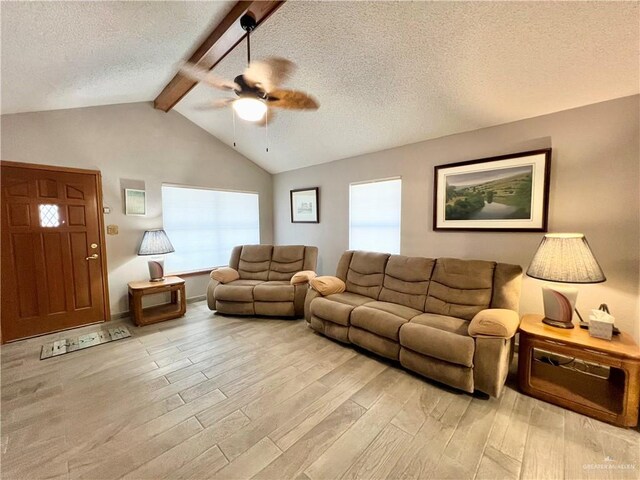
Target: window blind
{"type": "Point", "coordinates": [374, 216]}
{"type": "Point", "coordinates": [204, 225]}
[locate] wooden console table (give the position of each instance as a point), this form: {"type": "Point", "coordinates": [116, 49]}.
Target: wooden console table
{"type": "Point", "coordinates": [596, 377]}
{"type": "Point", "coordinates": [158, 313]}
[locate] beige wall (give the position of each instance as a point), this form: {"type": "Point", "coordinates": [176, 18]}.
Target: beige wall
{"type": "Point", "coordinates": [134, 142]}
{"type": "Point", "coordinates": [594, 189]}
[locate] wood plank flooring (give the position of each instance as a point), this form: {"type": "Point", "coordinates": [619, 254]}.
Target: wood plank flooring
{"type": "Point", "coordinates": [208, 396]}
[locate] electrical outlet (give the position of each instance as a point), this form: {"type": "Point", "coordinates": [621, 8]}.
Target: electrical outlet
{"type": "Point", "coordinates": [112, 229]}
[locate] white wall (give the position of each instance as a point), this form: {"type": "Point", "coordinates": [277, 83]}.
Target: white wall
{"type": "Point", "coordinates": [595, 189]}
{"type": "Point", "coordinates": [134, 142]}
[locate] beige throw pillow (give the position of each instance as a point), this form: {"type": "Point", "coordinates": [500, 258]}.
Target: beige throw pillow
{"type": "Point", "coordinates": [225, 274]}
{"type": "Point", "coordinates": [327, 285]}
{"type": "Point", "coordinates": [303, 277]}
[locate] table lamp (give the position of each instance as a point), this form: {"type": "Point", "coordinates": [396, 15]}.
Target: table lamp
{"type": "Point", "coordinates": [155, 242]}
{"type": "Point", "coordinates": [563, 258]}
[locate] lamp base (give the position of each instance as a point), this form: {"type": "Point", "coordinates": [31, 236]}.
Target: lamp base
{"type": "Point", "coordinates": [557, 323]}
{"type": "Point", "coordinates": [156, 270]}
{"type": "Point", "coordinates": [559, 303]}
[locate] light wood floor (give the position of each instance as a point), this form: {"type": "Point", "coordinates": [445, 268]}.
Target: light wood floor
{"type": "Point", "coordinates": [207, 396]}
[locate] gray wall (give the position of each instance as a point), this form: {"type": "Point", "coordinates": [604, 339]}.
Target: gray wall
{"type": "Point", "coordinates": [129, 144]}
{"type": "Point", "coordinates": [595, 182]}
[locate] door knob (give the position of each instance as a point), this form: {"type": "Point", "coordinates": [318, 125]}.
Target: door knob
{"type": "Point", "coordinates": [92, 257]}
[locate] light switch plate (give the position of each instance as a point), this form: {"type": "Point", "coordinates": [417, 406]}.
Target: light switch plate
{"type": "Point", "coordinates": [106, 210]}
{"type": "Point", "coordinates": [112, 229]}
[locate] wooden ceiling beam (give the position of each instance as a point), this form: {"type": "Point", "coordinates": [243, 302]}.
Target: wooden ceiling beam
{"type": "Point", "coordinates": [218, 44]}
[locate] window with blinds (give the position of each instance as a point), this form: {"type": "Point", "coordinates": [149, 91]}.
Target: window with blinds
{"type": "Point", "coordinates": [204, 225]}
{"type": "Point", "coordinates": [374, 215]}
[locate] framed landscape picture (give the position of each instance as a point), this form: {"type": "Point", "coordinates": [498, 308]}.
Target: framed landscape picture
{"type": "Point", "coordinates": [505, 193]}
{"type": "Point", "coordinates": [304, 205]}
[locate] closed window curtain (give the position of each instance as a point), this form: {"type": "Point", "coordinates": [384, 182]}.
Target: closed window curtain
{"type": "Point", "coordinates": [374, 216]}
{"type": "Point", "coordinates": [204, 225]}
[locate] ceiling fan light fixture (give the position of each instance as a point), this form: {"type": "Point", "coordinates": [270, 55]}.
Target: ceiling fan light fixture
{"type": "Point", "coordinates": [250, 109]}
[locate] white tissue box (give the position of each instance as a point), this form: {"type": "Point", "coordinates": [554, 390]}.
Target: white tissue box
{"type": "Point", "coordinates": [601, 324]}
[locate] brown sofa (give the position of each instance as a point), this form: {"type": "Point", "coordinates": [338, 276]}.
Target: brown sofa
{"type": "Point", "coordinates": [263, 286]}
{"type": "Point", "coordinates": [447, 319]}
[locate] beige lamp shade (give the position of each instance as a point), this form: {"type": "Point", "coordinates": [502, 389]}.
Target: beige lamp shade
{"type": "Point", "coordinates": [565, 258]}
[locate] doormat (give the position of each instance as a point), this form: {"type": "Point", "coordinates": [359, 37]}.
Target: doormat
{"type": "Point", "coordinates": [72, 344]}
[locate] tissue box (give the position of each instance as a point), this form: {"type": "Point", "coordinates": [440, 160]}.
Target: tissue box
{"type": "Point", "coordinates": [601, 325]}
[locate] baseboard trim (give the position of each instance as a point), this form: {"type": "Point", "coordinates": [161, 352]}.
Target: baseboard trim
{"type": "Point", "coordinates": [126, 314]}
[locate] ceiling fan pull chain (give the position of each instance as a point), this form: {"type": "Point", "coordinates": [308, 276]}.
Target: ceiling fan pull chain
{"type": "Point", "coordinates": [233, 115]}
{"type": "Point", "coordinates": [266, 129]}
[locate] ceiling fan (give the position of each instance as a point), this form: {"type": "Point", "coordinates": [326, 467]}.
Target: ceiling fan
{"type": "Point", "coordinates": [258, 88]}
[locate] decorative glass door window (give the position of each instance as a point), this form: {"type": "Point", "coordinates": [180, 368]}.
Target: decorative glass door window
{"type": "Point", "coordinates": [49, 215]}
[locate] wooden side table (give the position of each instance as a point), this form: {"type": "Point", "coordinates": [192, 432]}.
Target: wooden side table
{"type": "Point", "coordinates": [596, 377]}
{"type": "Point", "coordinates": [158, 313]}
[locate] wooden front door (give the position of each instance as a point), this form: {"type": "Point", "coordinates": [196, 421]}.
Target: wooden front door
{"type": "Point", "coordinates": [53, 265]}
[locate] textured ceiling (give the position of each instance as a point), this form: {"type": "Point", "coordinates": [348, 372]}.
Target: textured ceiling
{"type": "Point", "coordinates": [386, 74]}
{"type": "Point", "coordinates": [75, 54]}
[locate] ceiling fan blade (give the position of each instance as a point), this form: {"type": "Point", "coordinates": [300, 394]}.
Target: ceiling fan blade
{"type": "Point", "coordinates": [269, 73]}
{"type": "Point", "coordinates": [293, 99]}
{"type": "Point", "coordinates": [267, 119]}
{"type": "Point", "coordinates": [215, 104]}
{"type": "Point", "coordinates": [201, 75]}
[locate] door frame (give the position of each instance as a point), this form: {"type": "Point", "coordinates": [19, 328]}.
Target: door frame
{"type": "Point", "coordinates": [101, 231]}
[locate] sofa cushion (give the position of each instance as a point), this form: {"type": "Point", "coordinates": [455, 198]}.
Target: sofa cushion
{"type": "Point", "coordinates": [237, 291]}
{"type": "Point", "coordinates": [349, 298]}
{"type": "Point", "coordinates": [255, 261]}
{"type": "Point", "coordinates": [378, 318]}
{"type": "Point", "coordinates": [274, 291]}
{"type": "Point", "coordinates": [366, 273]}
{"type": "Point", "coordinates": [285, 261]}
{"type": "Point", "coordinates": [443, 322]}
{"type": "Point", "coordinates": [437, 343]}
{"type": "Point", "coordinates": [406, 281]}
{"type": "Point", "coordinates": [337, 308]}
{"type": "Point", "coordinates": [460, 288]}
{"type": "Point", "coordinates": [395, 309]}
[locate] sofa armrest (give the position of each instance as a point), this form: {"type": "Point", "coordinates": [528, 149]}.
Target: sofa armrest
{"type": "Point", "coordinates": [303, 276]}
{"type": "Point", "coordinates": [211, 295]}
{"type": "Point", "coordinates": [224, 274]}
{"type": "Point", "coordinates": [494, 322]}
{"type": "Point", "coordinates": [327, 285]}
{"type": "Point", "coordinates": [311, 295]}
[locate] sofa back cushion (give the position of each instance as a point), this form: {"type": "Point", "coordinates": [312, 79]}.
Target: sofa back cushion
{"type": "Point", "coordinates": [507, 282]}
{"type": "Point", "coordinates": [285, 261]}
{"type": "Point", "coordinates": [365, 273]}
{"type": "Point", "coordinates": [406, 281]}
{"type": "Point", "coordinates": [460, 288]}
{"type": "Point", "coordinates": [254, 262]}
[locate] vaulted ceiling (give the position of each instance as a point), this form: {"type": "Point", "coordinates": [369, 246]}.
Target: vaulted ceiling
{"type": "Point", "coordinates": [385, 73]}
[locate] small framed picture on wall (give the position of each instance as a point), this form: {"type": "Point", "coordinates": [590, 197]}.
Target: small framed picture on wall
{"type": "Point", "coordinates": [505, 193]}
{"type": "Point", "coordinates": [135, 202]}
{"type": "Point", "coordinates": [304, 205]}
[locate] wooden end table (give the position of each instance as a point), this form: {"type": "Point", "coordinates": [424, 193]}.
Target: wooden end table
{"type": "Point", "coordinates": [158, 313]}
{"type": "Point", "coordinates": [596, 377]}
